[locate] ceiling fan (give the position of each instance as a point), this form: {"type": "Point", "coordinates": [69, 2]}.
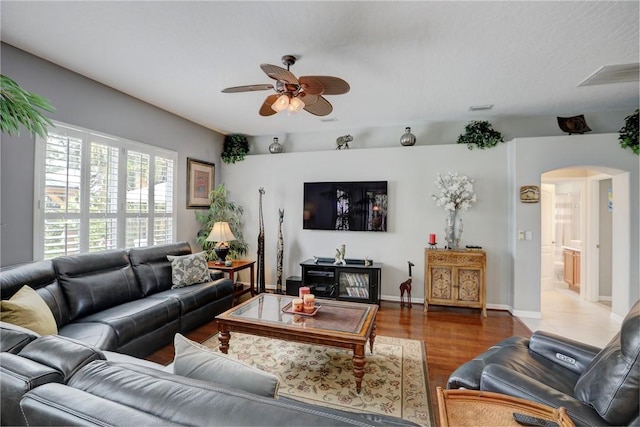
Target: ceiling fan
{"type": "Point", "coordinates": [294, 94]}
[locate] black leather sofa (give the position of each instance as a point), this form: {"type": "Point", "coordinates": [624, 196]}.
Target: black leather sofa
{"type": "Point", "coordinates": [120, 300]}
{"type": "Point", "coordinates": [55, 380]}
{"type": "Point", "coordinates": [598, 387]}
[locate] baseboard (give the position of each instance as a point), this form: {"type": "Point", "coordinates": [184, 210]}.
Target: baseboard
{"type": "Point", "coordinates": [616, 318]}
{"type": "Point", "coordinates": [603, 298]}
{"type": "Point", "coordinates": [527, 314]}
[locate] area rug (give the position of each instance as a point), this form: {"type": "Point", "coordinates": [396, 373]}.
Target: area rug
{"type": "Point", "coordinates": [394, 383]}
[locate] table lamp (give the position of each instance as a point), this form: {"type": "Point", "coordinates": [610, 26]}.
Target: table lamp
{"type": "Point", "coordinates": [221, 233]}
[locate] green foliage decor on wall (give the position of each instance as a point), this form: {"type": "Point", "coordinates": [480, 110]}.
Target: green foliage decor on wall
{"type": "Point", "coordinates": [235, 149]}
{"type": "Point", "coordinates": [481, 134]}
{"type": "Point", "coordinates": [629, 133]}
{"type": "Point", "coordinates": [19, 107]}
{"type": "Point", "coordinates": [221, 209]}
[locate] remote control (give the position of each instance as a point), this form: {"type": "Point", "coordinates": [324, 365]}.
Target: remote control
{"type": "Point", "coordinates": [528, 420]}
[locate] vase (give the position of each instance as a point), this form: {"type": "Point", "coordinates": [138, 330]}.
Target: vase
{"type": "Point", "coordinates": [407, 139]}
{"type": "Point", "coordinates": [453, 230]}
{"type": "Point", "coordinates": [275, 147]}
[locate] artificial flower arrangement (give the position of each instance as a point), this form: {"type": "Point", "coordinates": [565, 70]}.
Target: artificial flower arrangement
{"type": "Point", "coordinates": [456, 192]}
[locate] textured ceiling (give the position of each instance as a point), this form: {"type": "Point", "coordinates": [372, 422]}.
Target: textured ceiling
{"type": "Point", "coordinates": [406, 62]}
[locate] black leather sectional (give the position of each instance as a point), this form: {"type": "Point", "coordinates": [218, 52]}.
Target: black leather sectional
{"type": "Point", "coordinates": [120, 300]}
{"type": "Point", "coordinates": [53, 381]}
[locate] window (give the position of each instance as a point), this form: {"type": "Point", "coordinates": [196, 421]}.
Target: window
{"type": "Point", "coordinates": [96, 192]}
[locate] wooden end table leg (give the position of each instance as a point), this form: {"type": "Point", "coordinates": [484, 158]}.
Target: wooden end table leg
{"type": "Point", "coordinates": [358, 366]}
{"type": "Point", "coordinates": [372, 336]}
{"type": "Point", "coordinates": [223, 338]}
{"type": "Point", "coordinates": [252, 283]}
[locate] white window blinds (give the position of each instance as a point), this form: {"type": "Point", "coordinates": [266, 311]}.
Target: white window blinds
{"type": "Point", "coordinates": [95, 192]}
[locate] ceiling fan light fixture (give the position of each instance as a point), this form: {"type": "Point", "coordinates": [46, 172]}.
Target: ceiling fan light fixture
{"type": "Point", "coordinates": [295, 105]}
{"type": "Point", "coordinates": [281, 104]}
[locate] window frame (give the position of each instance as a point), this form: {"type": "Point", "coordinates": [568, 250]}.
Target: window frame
{"type": "Point", "coordinates": [124, 146]}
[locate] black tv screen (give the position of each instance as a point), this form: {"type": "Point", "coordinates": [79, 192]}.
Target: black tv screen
{"type": "Point", "coordinates": [347, 206]}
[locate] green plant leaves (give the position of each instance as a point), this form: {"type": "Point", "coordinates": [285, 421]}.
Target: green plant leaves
{"type": "Point", "coordinates": [225, 210]}
{"type": "Point", "coordinates": [19, 107]}
{"type": "Point", "coordinates": [629, 133]}
{"type": "Point", "coordinates": [481, 134]}
{"type": "Point", "coordinates": [235, 149]}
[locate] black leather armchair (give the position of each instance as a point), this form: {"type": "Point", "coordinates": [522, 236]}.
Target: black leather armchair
{"type": "Point", "coordinates": [596, 386]}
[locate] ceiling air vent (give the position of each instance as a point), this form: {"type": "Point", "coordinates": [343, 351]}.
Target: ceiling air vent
{"type": "Point", "coordinates": [481, 107]}
{"type": "Point", "coordinates": [609, 74]}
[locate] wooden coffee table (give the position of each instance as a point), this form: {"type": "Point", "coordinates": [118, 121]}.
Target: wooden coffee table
{"type": "Point", "coordinates": [336, 324]}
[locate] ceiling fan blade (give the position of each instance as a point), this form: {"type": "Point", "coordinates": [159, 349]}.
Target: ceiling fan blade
{"type": "Point", "coordinates": [279, 73]}
{"type": "Point", "coordinates": [311, 85]}
{"type": "Point", "coordinates": [308, 98]}
{"type": "Point", "coordinates": [247, 88]}
{"type": "Point", "coordinates": [265, 109]}
{"type": "Point", "coordinates": [320, 108]}
{"type": "Point", "coordinates": [332, 85]}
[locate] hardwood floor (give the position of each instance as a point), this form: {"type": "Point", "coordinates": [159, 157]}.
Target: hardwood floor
{"type": "Point", "coordinates": [451, 335]}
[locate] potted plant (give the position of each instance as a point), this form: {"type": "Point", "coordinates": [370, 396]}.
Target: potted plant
{"type": "Point", "coordinates": [221, 209]}
{"type": "Point", "coordinates": [235, 148]}
{"type": "Point", "coordinates": [481, 134]}
{"type": "Point", "coordinates": [629, 133]}
{"type": "Point", "coordinates": [19, 107]}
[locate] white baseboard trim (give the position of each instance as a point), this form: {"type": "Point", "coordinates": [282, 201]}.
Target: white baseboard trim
{"type": "Point", "coordinates": [616, 318]}
{"type": "Point", "coordinates": [527, 314]}
{"type": "Point", "coordinates": [603, 298]}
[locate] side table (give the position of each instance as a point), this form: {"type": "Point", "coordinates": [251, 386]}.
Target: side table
{"type": "Point", "coordinates": [237, 265]}
{"type": "Point", "coordinates": [485, 408]}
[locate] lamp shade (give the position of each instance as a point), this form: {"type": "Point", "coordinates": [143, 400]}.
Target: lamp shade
{"type": "Point", "coordinates": [296, 105]}
{"type": "Point", "coordinates": [221, 232]}
{"type": "Point", "coordinates": [281, 103]}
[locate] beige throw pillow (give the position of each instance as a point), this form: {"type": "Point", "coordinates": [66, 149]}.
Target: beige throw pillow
{"type": "Point", "coordinates": [187, 270]}
{"type": "Point", "coordinates": [27, 309]}
{"type": "Point", "coordinates": [196, 361]}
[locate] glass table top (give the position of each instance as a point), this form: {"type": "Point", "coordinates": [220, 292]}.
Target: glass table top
{"type": "Point", "coordinates": [331, 315]}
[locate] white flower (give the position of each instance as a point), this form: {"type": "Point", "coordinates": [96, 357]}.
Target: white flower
{"type": "Point", "coordinates": [456, 192]}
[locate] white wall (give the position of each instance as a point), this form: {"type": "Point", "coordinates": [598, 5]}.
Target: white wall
{"type": "Point", "coordinates": [513, 267]}
{"type": "Point", "coordinates": [410, 172]}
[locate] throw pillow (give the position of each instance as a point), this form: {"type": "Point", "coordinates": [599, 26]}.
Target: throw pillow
{"type": "Point", "coordinates": [27, 309]}
{"type": "Point", "coordinates": [196, 361]}
{"type": "Point", "coordinates": [189, 269]}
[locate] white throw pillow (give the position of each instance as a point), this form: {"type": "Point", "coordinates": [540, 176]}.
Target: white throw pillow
{"type": "Point", "coordinates": [196, 361]}
{"type": "Point", "coordinates": [187, 270]}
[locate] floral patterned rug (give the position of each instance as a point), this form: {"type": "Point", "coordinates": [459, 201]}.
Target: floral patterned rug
{"type": "Point", "coordinates": [394, 383]}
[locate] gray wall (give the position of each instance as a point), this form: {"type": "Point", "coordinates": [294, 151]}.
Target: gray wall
{"type": "Point", "coordinates": [83, 102]}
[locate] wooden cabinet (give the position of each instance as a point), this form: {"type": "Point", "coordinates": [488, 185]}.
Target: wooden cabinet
{"type": "Point", "coordinates": [572, 268]}
{"type": "Point", "coordinates": [455, 278]}
{"type": "Point", "coordinates": [352, 282]}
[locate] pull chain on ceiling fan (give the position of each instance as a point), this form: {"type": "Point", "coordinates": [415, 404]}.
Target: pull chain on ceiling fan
{"type": "Point", "coordinates": [293, 94]}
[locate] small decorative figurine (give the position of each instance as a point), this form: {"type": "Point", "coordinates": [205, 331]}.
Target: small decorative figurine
{"type": "Point", "coordinates": [315, 259]}
{"type": "Point", "coordinates": [339, 259]}
{"type": "Point", "coordinates": [406, 287]}
{"type": "Point", "coordinates": [367, 262]}
{"type": "Point", "coordinates": [342, 142]}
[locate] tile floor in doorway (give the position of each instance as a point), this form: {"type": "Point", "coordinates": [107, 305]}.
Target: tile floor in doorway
{"type": "Point", "coordinates": [565, 313]}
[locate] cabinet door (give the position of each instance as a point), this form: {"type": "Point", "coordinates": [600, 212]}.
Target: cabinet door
{"type": "Point", "coordinates": [354, 284]}
{"type": "Point", "coordinates": [568, 267]}
{"type": "Point", "coordinates": [441, 285]}
{"type": "Point", "coordinates": [469, 284]}
{"type": "Point", "coordinates": [576, 268]}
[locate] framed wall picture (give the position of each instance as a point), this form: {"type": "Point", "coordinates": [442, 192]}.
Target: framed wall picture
{"type": "Point", "coordinates": [200, 182]}
{"type": "Point", "coordinates": [529, 194]}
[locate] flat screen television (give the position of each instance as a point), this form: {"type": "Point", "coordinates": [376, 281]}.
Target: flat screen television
{"type": "Point", "coordinates": [346, 206]}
